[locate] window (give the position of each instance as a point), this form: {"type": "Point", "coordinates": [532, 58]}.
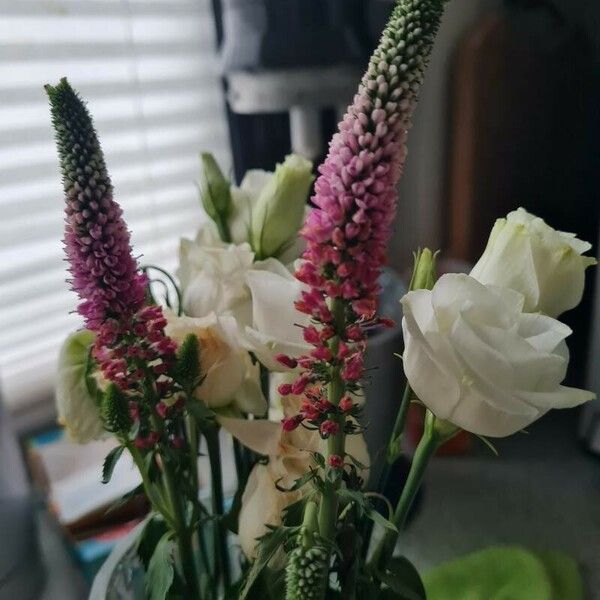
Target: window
{"type": "Point", "coordinates": [149, 71]}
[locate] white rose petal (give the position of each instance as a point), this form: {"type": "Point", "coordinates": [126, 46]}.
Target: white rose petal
{"type": "Point", "coordinates": [545, 265]}
{"type": "Point", "coordinates": [276, 324]}
{"type": "Point", "coordinates": [475, 359]}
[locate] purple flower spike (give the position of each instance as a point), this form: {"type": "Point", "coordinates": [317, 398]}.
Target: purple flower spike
{"type": "Point", "coordinates": [355, 201]}
{"type": "Point", "coordinates": [104, 273]}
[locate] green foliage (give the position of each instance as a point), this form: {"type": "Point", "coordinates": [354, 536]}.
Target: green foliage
{"type": "Point", "coordinates": [152, 532]}
{"type": "Point", "coordinates": [160, 572]}
{"type": "Point", "coordinates": [364, 508]}
{"type": "Point", "coordinates": [268, 545]}
{"type": "Point", "coordinates": [402, 579]}
{"type": "Point", "coordinates": [110, 462]}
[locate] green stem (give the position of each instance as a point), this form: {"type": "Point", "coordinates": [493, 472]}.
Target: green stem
{"type": "Point", "coordinates": [328, 512]}
{"type": "Point", "coordinates": [394, 447]}
{"type": "Point", "coordinates": [336, 444]}
{"type": "Point", "coordinates": [429, 443]}
{"type": "Point", "coordinates": [310, 523]}
{"type": "Point", "coordinates": [211, 433]}
{"type": "Point", "coordinates": [182, 531]}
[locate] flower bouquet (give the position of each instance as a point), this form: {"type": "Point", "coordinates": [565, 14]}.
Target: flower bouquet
{"type": "Point", "coordinates": [259, 352]}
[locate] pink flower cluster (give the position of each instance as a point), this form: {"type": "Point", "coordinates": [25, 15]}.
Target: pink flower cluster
{"type": "Point", "coordinates": [131, 347]}
{"type": "Point", "coordinates": [104, 273]}
{"type": "Point", "coordinates": [354, 202]}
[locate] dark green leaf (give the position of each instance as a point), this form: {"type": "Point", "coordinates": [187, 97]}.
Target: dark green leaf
{"type": "Point", "coordinates": [152, 532]}
{"type": "Point", "coordinates": [293, 513]}
{"type": "Point", "coordinates": [200, 412]}
{"type": "Point", "coordinates": [268, 545]}
{"type": "Point", "coordinates": [379, 519]}
{"type": "Point", "coordinates": [298, 483]}
{"type": "Point", "coordinates": [403, 580]}
{"type": "Point", "coordinates": [160, 573]}
{"type": "Point", "coordinates": [125, 498]}
{"type": "Point", "coordinates": [110, 462]}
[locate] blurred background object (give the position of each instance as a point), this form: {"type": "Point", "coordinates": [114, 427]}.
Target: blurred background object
{"type": "Point", "coordinates": [21, 568]}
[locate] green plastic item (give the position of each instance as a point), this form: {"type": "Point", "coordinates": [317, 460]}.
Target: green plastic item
{"type": "Point", "coordinates": [506, 573]}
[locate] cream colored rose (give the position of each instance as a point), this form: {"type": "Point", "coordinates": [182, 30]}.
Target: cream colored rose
{"type": "Point", "coordinates": [475, 359]}
{"type": "Point", "coordinates": [530, 257]}
{"type": "Point", "coordinates": [75, 400]}
{"type": "Point", "coordinates": [290, 456]}
{"type": "Point", "coordinates": [230, 377]}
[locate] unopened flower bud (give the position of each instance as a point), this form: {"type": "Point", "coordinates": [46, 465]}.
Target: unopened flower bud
{"type": "Point", "coordinates": [279, 210]}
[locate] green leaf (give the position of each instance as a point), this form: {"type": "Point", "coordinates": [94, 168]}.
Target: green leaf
{"type": "Point", "coordinates": [379, 519]}
{"type": "Point", "coordinates": [403, 580]}
{"type": "Point", "coordinates": [125, 498]}
{"type": "Point", "coordinates": [200, 412]}
{"type": "Point", "coordinates": [110, 462]}
{"type": "Point", "coordinates": [293, 514]}
{"type": "Point", "coordinates": [298, 483]}
{"type": "Point", "coordinates": [268, 545]}
{"type": "Point", "coordinates": [160, 573]}
{"type": "Point", "coordinates": [152, 532]}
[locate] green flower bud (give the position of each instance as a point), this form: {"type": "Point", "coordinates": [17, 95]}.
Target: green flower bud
{"type": "Point", "coordinates": [279, 210]}
{"type": "Point", "coordinates": [424, 272]}
{"type": "Point", "coordinates": [76, 390]}
{"type": "Point", "coordinates": [115, 411]}
{"type": "Point", "coordinates": [306, 573]}
{"type": "Point", "coordinates": [215, 194]}
{"type": "Point", "coordinates": [187, 367]}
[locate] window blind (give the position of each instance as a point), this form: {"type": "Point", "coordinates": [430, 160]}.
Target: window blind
{"type": "Point", "coordinates": [149, 72]}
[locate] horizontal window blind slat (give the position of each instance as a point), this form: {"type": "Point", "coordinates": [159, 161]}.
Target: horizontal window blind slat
{"type": "Point", "coordinates": [150, 75]}
{"type": "Point", "coordinates": [100, 8]}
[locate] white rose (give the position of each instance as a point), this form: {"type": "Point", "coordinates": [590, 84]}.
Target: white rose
{"type": "Point", "coordinates": [290, 457]}
{"type": "Point", "coordinates": [475, 359]}
{"type": "Point", "coordinates": [530, 257]}
{"type": "Point", "coordinates": [276, 324]}
{"type": "Point", "coordinates": [75, 402]}
{"type": "Point", "coordinates": [230, 377]}
{"type": "Point", "coordinates": [213, 276]}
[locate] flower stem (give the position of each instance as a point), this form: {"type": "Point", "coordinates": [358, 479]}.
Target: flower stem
{"type": "Point", "coordinates": [336, 444]}
{"type": "Point", "coordinates": [429, 443]}
{"type": "Point", "coordinates": [211, 433]}
{"type": "Point", "coordinates": [183, 535]}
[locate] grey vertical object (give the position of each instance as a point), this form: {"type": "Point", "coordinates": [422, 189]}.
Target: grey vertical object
{"type": "Point", "coordinates": [21, 570]}
{"type": "Point", "coordinates": [384, 387]}
{"type": "Point", "coordinates": [295, 56]}
{"type": "Point", "coordinates": [589, 427]}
